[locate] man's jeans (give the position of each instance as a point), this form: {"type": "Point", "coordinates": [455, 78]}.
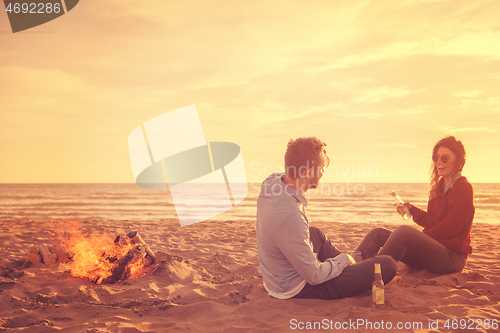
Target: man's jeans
{"type": "Point", "coordinates": [354, 279]}
{"type": "Point", "coordinates": [412, 247]}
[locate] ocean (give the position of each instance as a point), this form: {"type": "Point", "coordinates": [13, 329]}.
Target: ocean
{"type": "Point", "coordinates": [345, 203]}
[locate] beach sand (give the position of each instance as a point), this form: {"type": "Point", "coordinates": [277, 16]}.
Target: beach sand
{"type": "Point", "coordinates": [208, 282]}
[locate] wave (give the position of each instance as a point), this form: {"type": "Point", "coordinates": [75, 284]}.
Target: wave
{"type": "Point", "coordinates": [21, 197]}
{"type": "Point", "coordinates": [43, 205]}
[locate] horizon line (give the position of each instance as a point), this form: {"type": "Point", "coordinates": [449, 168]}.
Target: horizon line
{"type": "Point", "coordinates": [133, 183]}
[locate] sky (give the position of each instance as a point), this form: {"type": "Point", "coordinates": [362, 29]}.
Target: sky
{"type": "Point", "coordinates": [379, 81]}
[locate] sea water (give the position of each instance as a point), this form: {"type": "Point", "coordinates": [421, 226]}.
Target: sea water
{"type": "Point", "coordinates": [345, 203]}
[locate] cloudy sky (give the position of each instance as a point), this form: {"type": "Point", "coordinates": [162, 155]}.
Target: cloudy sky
{"type": "Point", "coordinates": [379, 81]}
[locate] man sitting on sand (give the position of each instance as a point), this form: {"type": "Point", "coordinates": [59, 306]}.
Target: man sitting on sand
{"type": "Point", "coordinates": [297, 260]}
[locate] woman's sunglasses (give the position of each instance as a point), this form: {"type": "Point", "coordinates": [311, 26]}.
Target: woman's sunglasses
{"type": "Point", "coordinates": [444, 158]}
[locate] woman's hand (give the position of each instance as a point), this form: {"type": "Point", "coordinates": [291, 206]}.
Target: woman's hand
{"type": "Point", "coordinates": [406, 204]}
{"type": "Point", "coordinates": [404, 209]}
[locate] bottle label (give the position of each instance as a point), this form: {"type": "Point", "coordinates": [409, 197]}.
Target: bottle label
{"type": "Point", "coordinates": [378, 295]}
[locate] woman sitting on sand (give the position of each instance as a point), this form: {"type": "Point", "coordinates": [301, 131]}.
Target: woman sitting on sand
{"type": "Point", "coordinates": [444, 244]}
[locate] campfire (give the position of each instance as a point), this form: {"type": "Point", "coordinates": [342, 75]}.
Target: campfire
{"type": "Point", "coordinates": [99, 259]}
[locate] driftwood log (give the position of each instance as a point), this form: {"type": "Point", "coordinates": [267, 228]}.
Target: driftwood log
{"type": "Point", "coordinates": [61, 255]}
{"type": "Point", "coordinates": [47, 256]}
{"type": "Point", "coordinates": [34, 257]}
{"type": "Point", "coordinates": [137, 239]}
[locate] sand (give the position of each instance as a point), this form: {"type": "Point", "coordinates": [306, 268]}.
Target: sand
{"type": "Point", "coordinates": [208, 282]}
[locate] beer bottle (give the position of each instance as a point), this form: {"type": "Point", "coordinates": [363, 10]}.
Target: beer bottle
{"type": "Point", "coordinates": [405, 213]}
{"type": "Point", "coordinates": [378, 288]}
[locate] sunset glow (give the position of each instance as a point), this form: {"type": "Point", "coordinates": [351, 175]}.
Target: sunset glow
{"type": "Point", "coordinates": [379, 81]}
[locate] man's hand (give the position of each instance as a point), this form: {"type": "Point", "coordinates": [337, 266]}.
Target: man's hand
{"type": "Point", "coordinates": [357, 256]}
{"type": "Point", "coordinates": [351, 260]}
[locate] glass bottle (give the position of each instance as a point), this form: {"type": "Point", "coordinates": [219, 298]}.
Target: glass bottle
{"type": "Point", "coordinates": [378, 298]}
{"type": "Point", "coordinates": [405, 213]}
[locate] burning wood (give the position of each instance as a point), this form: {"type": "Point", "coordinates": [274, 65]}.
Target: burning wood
{"type": "Point", "coordinates": [99, 259]}
{"type": "Point", "coordinates": [137, 261]}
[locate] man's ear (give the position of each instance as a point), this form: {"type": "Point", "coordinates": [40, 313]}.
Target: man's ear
{"type": "Point", "coordinates": [310, 173]}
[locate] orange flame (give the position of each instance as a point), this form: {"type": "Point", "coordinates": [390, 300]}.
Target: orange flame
{"type": "Point", "coordinates": [95, 257]}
